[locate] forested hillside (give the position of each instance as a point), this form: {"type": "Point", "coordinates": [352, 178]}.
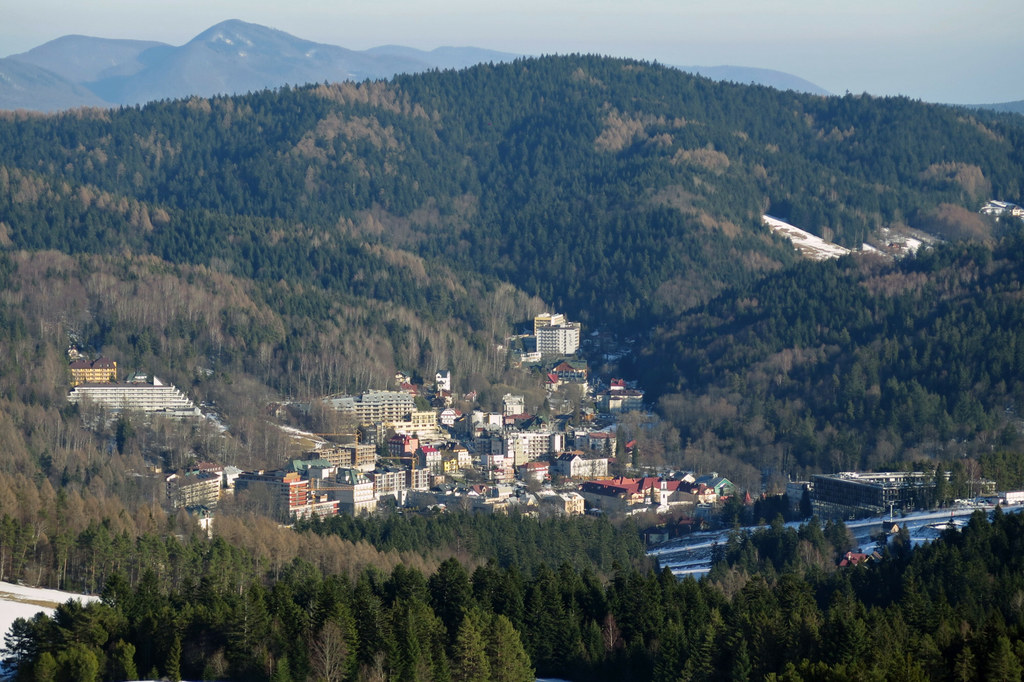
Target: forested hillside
{"type": "Point", "coordinates": [612, 189]}
{"type": "Point", "coordinates": [774, 607]}
{"type": "Point", "coordinates": [856, 364]}
{"type": "Point", "coordinates": [306, 241]}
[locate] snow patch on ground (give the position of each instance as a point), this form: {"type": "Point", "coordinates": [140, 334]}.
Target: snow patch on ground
{"type": "Point", "coordinates": [806, 243]}
{"type": "Point", "coordinates": [19, 601]}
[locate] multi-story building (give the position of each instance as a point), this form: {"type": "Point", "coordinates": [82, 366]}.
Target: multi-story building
{"type": "Point", "coordinates": [575, 465]}
{"type": "Point", "coordinates": [513, 404]}
{"type": "Point", "coordinates": [456, 457]}
{"type": "Point", "coordinates": [569, 503]}
{"type": "Point", "coordinates": [99, 371]}
{"type": "Point", "coordinates": [603, 442]}
{"type": "Point", "coordinates": [571, 372]}
{"type": "Point", "coordinates": [402, 448]}
{"type": "Point", "coordinates": [139, 394]}
{"type": "Point", "coordinates": [431, 459]}
{"type": "Point", "coordinates": [420, 423]}
{"type": "Point", "coordinates": [290, 494]}
{"type": "Point", "coordinates": [851, 494]}
{"type": "Point", "coordinates": [547, 320]}
{"type": "Point", "coordinates": [418, 479]}
{"type": "Point", "coordinates": [375, 407]}
{"type": "Point", "coordinates": [558, 339]}
{"type": "Point", "coordinates": [534, 472]}
{"type": "Point", "coordinates": [389, 481]}
{"type": "Point", "coordinates": [615, 495]}
{"type": "Point", "coordinates": [193, 489]}
{"type": "Point", "coordinates": [620, 398]}
{"type": "Point", "coordinates": [526, 446]}
{"type": "Point", "coordinates": [361, 456]}
{"type": "Point", "coordinates": [448, 417]}
{"type": "Point", "coordinates": [443, 380]}
{"type": "Point", "coordinates": [353, 490]}
{"type": "Point", "coordinates": [287, 489]}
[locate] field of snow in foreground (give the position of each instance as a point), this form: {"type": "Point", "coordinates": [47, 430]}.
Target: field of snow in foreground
{"type": "Point", "coordinates": [18, 601]}
{"type": "Point", "coordinates": [813, 247]}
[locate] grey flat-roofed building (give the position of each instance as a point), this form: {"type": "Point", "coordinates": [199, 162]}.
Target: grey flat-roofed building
{"type": "Point", "coordinates": [850, 495]}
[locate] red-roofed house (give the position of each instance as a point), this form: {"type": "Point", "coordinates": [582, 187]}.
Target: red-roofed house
{"type": "Point", "coordinates": [857, 558]}
{"type": "Point", "coordinates": [536, 471]}
{"type": "Point", "coordinates": [617, 494]}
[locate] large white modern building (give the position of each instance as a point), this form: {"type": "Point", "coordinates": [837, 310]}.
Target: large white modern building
{"type": "Point", "coordinates": [375, 407]}
{"type": "Point", "coordinates": [558, 339]}
{"type": "Point", "coordinates": [140, 395]}
{"type": "Point", "coordinates": [547, 320]}
{"type": "Point", "coordinates": [526, 446]}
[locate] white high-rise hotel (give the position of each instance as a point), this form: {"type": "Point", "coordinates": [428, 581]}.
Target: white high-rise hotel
{"type": "Point", "coordinates": [555, 335]}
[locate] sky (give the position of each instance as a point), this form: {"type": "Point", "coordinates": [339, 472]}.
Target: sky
{"type": "Point", "coordinates": [951, 51]}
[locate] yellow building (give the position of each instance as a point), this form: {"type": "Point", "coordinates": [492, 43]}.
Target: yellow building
{"type": "Point", "coordinates": [100, 371]}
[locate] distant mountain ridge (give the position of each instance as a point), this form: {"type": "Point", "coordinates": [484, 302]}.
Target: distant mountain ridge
{"type": "Point", "coordinates": [235, 57]}
{"type": "Point", "coordinates": [1011, 107]}
{"type": "Point", "coordinates": [232, 57]}
{"type": "Point", "coordinates": [746, 74]}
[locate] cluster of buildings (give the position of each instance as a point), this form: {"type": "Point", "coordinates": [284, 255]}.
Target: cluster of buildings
{"type": "Point", "coordinates": [1002, 208]}
{"type": "Point", "coordinates": [696, 495]}
{"type": "Point", "coordinates": [96, 382]}
{"type": "Point", "coordinates": [406, 456]}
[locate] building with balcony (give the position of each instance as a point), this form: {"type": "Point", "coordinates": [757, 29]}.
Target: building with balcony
{"type": "Point", "coordinates": [375, 407]}
{"type": "Point", "coordinates": [139, 394]}
{"type": "Point", "coordinates": [193, 489]}
{"type": "Point", "coordinates": [560, 339]}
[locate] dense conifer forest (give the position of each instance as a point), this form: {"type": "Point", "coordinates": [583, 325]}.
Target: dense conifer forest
{"type": "Point", "coordinates": [311, 240]}
{"type": "Point", "coordinates": [774, 607]}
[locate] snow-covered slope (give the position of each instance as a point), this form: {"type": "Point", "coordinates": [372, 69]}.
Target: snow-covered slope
{"type": "Point", "coordinates": [18, 601]}
{"type": "Point", "coordinates": [806, 243]}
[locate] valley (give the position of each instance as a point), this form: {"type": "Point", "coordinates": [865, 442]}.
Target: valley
{"type": "Point", "coordinates": [558, 257]}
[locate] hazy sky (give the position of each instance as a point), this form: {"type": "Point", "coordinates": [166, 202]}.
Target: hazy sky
{"type": "Point", "coordinates": [955, 51]}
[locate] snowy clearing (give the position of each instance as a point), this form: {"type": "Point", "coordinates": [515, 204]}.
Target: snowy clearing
{"type": "Point", "coordinates": [18, 601]}
{"type": "Point", "coordinates": [806, 243]}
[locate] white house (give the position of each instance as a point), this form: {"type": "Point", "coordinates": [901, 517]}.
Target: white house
{"type": "Point", "coordinates": [443, 380]}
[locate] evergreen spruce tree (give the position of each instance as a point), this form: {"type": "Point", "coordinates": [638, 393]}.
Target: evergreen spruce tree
{"type": "Point", "coordinates": [1003, 665]}
{"type": "Point", "coordinates": [172, 666]}
{"type": "Point", "coordinates": [505, 653]}
{"type": "Point", "coordinates": [469, 652]}
{"type": "Point", "coordinates": [79, 663]}
{"type": "Point", "coordinates": [123, 661]}
{"type": "Point", "coordinates": [45, 669]}
{"type": "Point", "coordinates": [964, 667]}
{"type": "Point", "coordinates": [282, 672]}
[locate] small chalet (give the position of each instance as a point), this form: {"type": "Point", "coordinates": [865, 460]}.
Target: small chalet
{"type": "Point", "coordinates": [857, 558]}
{"type": "Point", "coordinates": [448, 417]}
